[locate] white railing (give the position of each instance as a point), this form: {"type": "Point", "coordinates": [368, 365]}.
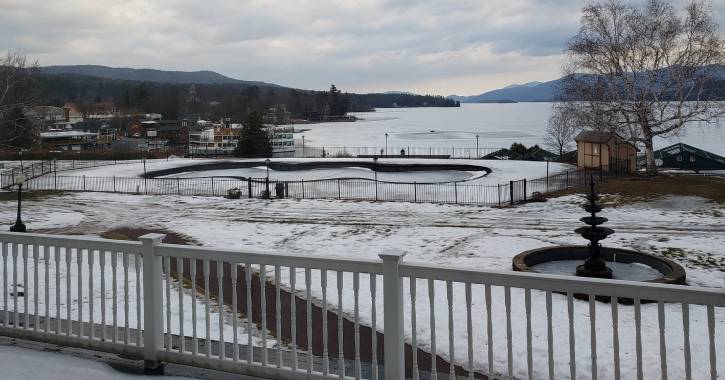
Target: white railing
{"type": "Point", "coordinates": [293, 317]}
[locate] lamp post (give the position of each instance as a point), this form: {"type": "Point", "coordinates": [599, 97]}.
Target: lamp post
{"type": "Point", "coordinates": [303, 146]}
{"type": "Point", "coordinates": [547, 174]}
{"type": "Point", "coordinates": [386, 143]}
{"type": "Point", "coordinates": [375, 172]}
{"type": "Point", "coordinates": [19, 226]}
{"type": "Point", "coordinates": [266, 182]}
{"type": "Point", "coordinates": [477, 155]}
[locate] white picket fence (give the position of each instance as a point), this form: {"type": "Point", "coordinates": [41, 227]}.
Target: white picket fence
{"type": "Point", "coordinates": [312, 317]}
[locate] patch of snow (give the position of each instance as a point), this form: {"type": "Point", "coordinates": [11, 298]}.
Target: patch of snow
{"type": "Point", "coordinates": [25, 364]}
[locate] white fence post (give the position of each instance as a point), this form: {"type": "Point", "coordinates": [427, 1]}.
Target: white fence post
{"type": "Point", "coordinates": [393, 314]}
{"type": "Point", "coordinates": [153, 333]}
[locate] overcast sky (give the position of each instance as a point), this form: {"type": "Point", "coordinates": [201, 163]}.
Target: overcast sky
{"type": "Point", "coordinates": [439, 47]}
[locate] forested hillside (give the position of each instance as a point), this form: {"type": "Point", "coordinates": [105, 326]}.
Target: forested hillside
{"type": "Point", "coordinates": [174, 100]}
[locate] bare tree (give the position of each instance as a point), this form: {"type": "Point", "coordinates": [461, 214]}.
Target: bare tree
{"type": "Point", "coordinates": [561, 129]}
{"type": "Point", "coordinates": [17, 94]}
{"type": "Point", "coordinates": [645, 72]}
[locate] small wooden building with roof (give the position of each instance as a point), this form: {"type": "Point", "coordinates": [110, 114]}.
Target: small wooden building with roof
{"type": "Point", "coordinates": [686, 157]}
{"type": "Point", "coordinates": [605, 151]}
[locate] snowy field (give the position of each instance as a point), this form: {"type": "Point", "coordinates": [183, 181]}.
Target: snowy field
{"type": "Point", "coordinates": [502, 170]}
{"type": "Point", "coordinates": [686, 229]}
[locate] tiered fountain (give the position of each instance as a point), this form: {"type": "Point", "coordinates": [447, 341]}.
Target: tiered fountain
{"type": "Point", "coordinates": [594, 266]}
{"type": "Point", "coordinates": [594, 260]}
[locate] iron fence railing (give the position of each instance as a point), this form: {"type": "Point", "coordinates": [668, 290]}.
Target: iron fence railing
{"type": "Point", "coordinates": [34, 169]}
{"type": "Point", "coordinates": [343, 189]}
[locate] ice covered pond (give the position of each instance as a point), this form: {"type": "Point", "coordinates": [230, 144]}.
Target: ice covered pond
{"type": "Point", "coordinates": [334, 173]}
{"type": "Point", "coordinates": [621, 271]}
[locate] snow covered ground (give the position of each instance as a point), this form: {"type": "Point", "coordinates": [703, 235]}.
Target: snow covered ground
{"type": "Point", "coordinates": [686, 229]}
{"type": "Point", "coordinates": [26, 364]}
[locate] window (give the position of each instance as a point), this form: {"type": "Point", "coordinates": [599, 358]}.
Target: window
{"type": "Point", "coordinates": [692, 158]}
{"type": "Point", "coordinates": [679, 158]}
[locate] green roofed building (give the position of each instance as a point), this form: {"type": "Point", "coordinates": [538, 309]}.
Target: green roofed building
{"type": "Point", "coordinates": [686, 157]}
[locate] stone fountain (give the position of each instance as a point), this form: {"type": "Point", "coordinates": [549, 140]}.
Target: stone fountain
{"type": "Point", "coordinates": [593, 260]}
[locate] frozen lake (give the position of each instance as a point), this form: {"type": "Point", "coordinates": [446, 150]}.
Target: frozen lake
{"type": "Point", "coordinates": [351, 172]}
{"type": "Point", "coordinates": [498, 125]}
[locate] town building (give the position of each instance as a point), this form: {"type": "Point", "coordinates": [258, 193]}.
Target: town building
{"type": "Point", "coordinates": [106, 133]}
{"type": "Point", "coordinates": [102, 111]}
{"type": "Point", "coordinates": [605, 151]}
{"type": "Point", "coordinates": [71, 113]}
{"type": "Point", "coordinates": [277, 115]}
{"type": "Point", "coordinates": [75, 141]}
{"type": "Point", "coordinates": [210, 138]}
{"type": "Point", "coordinates": [47, 114]}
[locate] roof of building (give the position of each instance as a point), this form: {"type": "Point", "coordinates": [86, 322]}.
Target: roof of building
{"type": "Point", "coordinates": [91, 125]}
{"type": "Point", "coordinates": [167, 128]}
{"type": "Point", "coordinates": [678, 148]}
{"type": "Point", "coordinates": [65, 134]}
{"type": "Point", "coordinates": [600, 137]}
{"type": "Point", "coordinates": [595, 136]}
{"type": "Point", "coordinates": [531, 155]}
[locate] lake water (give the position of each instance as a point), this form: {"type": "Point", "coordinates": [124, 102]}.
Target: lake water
{"type": "Point", "coordinates": [498, 125]}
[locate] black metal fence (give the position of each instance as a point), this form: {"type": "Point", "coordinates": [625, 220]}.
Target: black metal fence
{"type": "Point", "coordinates": [344, 189]}
{"type": "Point", "coordinates": [35, 169]}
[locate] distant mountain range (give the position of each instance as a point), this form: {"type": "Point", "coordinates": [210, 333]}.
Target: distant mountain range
{"type": "Point", "coordinates": [149, 75]}
{"type": "Point", "coordinates": [399, 93]}
{"type": "Point", "coordinates": [528, 92]}
{"type": "Point", "coordinates": [541, 91]}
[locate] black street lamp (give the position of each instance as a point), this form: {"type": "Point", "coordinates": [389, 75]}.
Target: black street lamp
{"type": "Point", "coordinates": [477, 155]}
{"type": "Point", "coordinates": [386, 143]}
{"type": "Point", "coordinates": [375, 171]}
{"type": "Point", "coordinates": [19, 226]}
{"type": "Point", "coordinates": [266, 182]}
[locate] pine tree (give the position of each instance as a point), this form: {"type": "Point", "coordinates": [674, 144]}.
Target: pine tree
{"type": "Point", "coordinates": [254, 140]}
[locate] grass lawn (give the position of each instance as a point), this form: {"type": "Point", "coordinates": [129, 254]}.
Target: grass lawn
{"type": "Point", "coordinates": [638, 188]}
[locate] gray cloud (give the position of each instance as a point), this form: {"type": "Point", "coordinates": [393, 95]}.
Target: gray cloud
{"type": "Point", "coordinates": [425, 46]}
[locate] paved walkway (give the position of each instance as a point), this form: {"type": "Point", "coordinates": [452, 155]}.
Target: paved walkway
{"type": "Point", "coordinates": [87, 364]}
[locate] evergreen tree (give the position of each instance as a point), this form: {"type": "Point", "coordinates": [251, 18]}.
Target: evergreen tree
{"type": "Point", "coordinates": [254, 140]}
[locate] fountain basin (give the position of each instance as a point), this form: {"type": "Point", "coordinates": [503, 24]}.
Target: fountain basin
{"type": "Point", "coordinates": [633, 265]}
